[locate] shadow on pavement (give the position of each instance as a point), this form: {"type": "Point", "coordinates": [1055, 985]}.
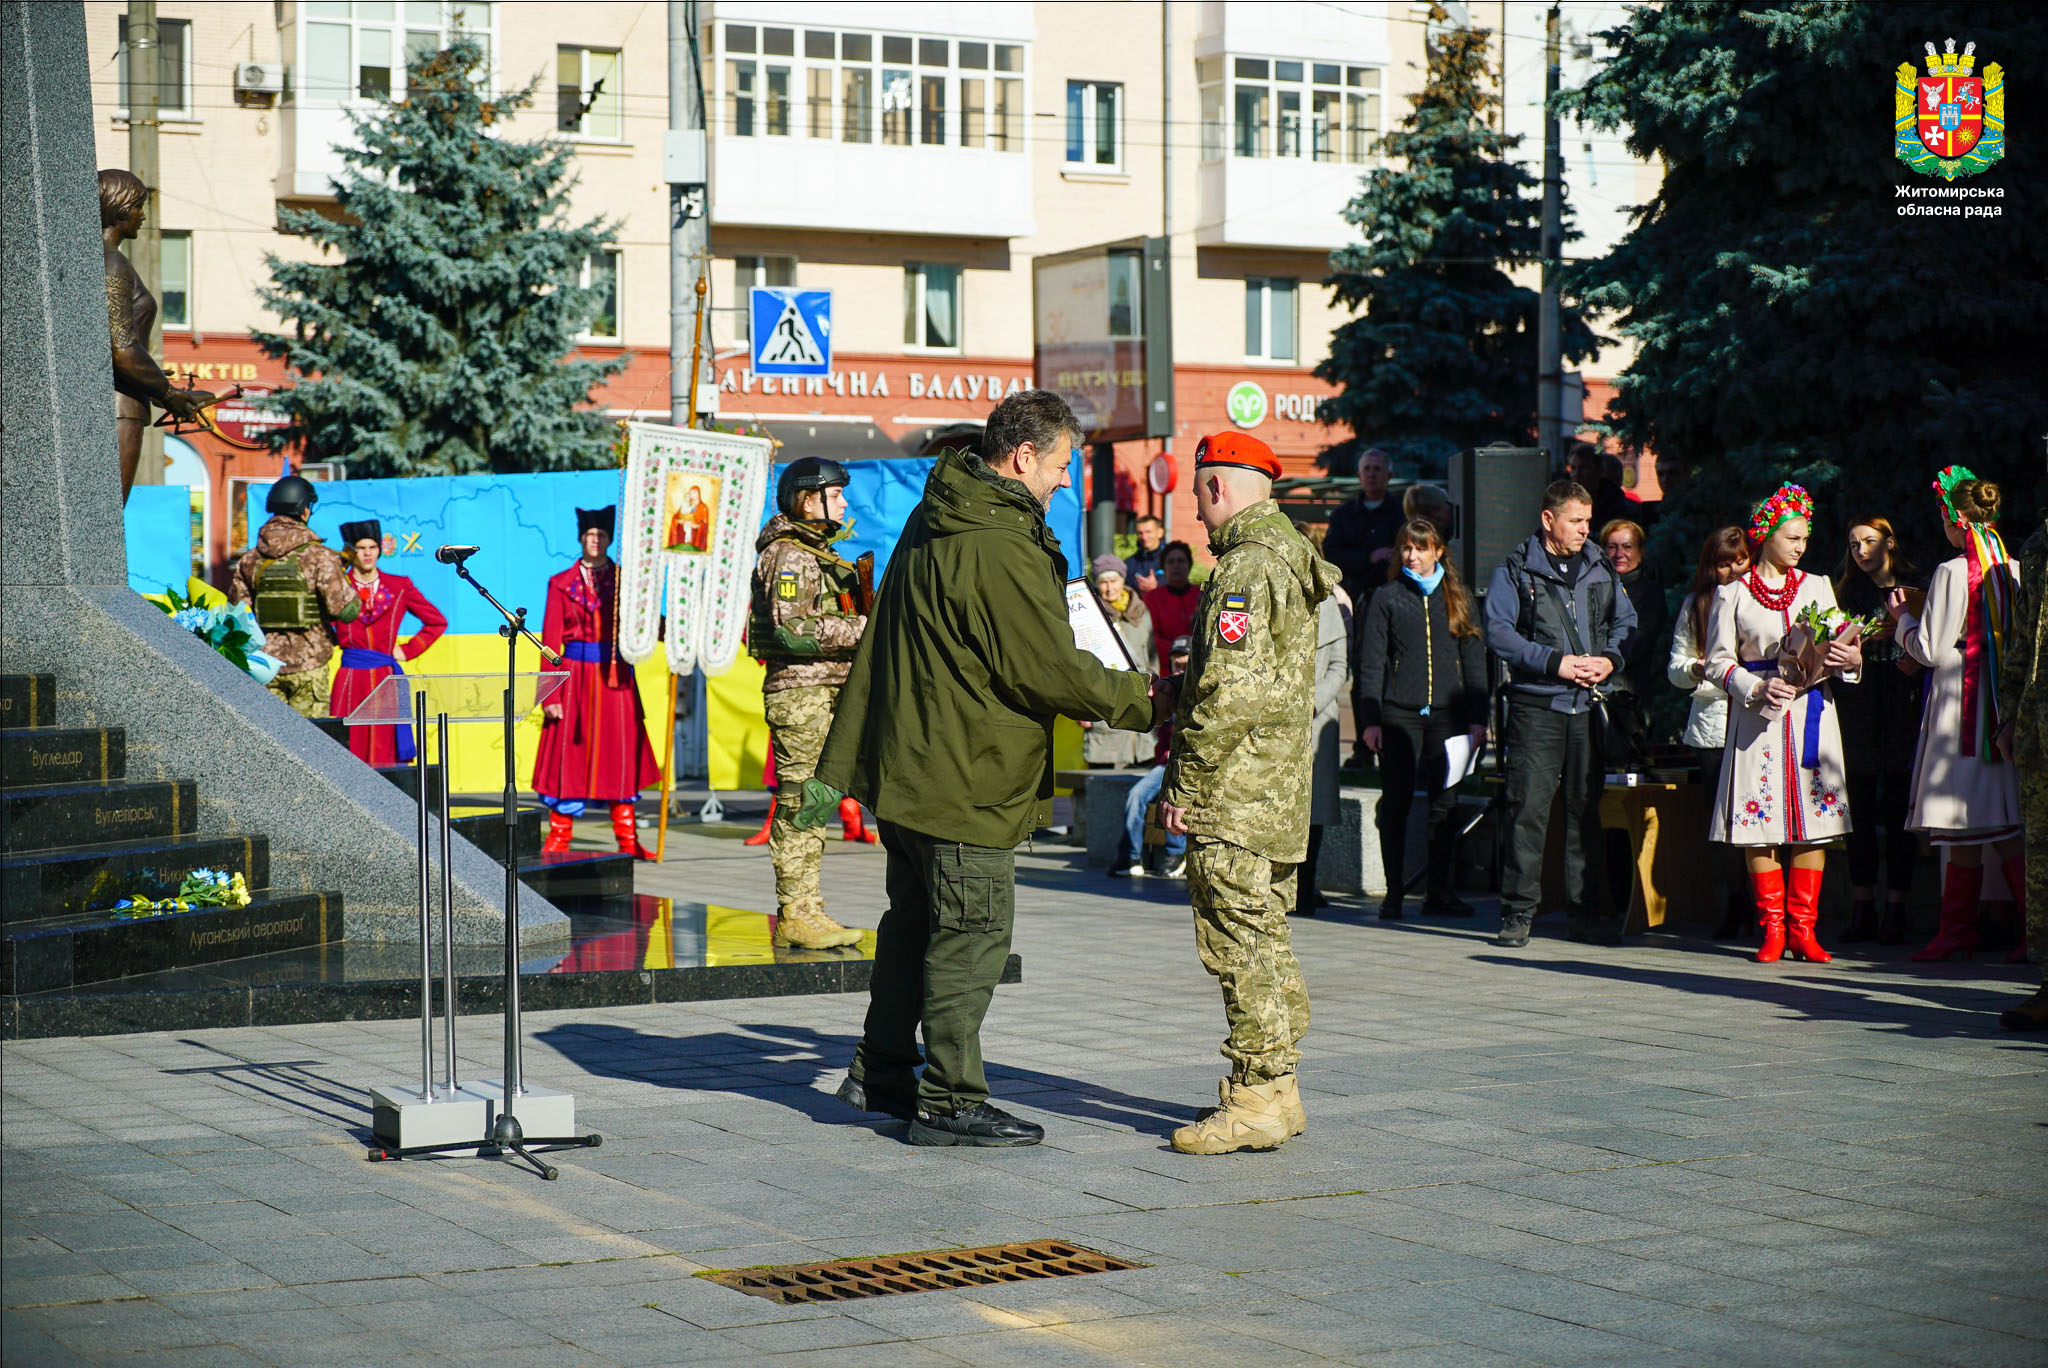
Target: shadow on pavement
{"type": "Point", "coordinates": [1947, 1009]}
{"type": "Point", "coordinates": [787, 1064]}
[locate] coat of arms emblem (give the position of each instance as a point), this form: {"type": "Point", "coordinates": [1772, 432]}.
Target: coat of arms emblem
{"type": "Point", "coordinates": [1949, 122]}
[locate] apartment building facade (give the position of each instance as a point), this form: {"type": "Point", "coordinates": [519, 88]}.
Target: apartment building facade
{"type": "Point", "coordinates": [918, 160]}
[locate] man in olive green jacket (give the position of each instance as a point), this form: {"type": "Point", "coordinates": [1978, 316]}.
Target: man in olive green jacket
{"type": "Point", "coordinates": [1239, 784]}
{"type": "Point", "coordinates": [944, 731]}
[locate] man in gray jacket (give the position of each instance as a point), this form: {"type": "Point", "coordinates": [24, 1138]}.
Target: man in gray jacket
{"type": "Point", "coordinates": [1557, 617]}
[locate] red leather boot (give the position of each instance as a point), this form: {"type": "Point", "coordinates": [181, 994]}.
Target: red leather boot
{"type": "Point", "coordinates": [853, 828]}
{"type": "Point", "coordinates": [1957, 933]}
{"type": "Point", "coordinates": [624, 826]}
{"type": "Point", "coordinates": [1802, 910]}
{"type": "Point", "coordinates": [2016, 880]}
{"type": "Point", "coordinates": [559, 830]}
{"type": "Point", "coordinates": [761, 837]}
{"type": "Point", "coordinates": [1769, 889]}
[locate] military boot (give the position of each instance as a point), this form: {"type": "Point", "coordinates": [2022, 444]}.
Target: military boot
{"type": "Point", "coordinates": [803, 925]}
{"type": "Point", "coordinates": [1250, 1118]}
{"type": "Point", "coordinates": [1290, 1104]}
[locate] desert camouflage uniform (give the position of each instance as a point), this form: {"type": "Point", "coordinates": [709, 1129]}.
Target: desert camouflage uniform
{"type": "Point", "coordinates": [2023, 688]}
{"type": "Point", "coordinates": [805, 634]}
{"type": "Point", "coordinates": [303, 682]}
{"type": "Point", "coordinates": [1241, 767]}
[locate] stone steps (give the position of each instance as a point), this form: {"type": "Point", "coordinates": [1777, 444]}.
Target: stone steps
{"type": "Point", "coordinates": [55, 953]}
{"type": "Point", "coordinates": [79, 879]}
{"type": "Point", "coordinates": [50, 816]}
{"type": "Point", "coordinates": [63, 755]}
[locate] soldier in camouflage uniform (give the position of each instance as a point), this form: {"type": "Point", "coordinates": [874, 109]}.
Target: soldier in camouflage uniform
{"type": "Point", "coordinates": [804, 630]}
{"type": "Point", "coordinates": [1239, 785]}
{"type": "Point", "coordinates": [2024, 682]}
{"type": "Point", "coordinates": [298, 589]}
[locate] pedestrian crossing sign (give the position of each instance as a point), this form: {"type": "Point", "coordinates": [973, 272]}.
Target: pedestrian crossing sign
{"type": "Point", "coordinates": [792, 331]}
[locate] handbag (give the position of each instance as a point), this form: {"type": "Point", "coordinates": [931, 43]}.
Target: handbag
{"type": "Point", "coordinates": [1620, 728]}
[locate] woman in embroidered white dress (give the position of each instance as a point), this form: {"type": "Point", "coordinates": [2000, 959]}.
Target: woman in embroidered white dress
{"type": "Point", "coordinates": [1965, 790]}
{"type": "Point", "coordinates": [1784, 785]}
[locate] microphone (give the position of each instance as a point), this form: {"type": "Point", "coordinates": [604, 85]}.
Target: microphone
{"type": "Point", "coordinates": [454, 555]}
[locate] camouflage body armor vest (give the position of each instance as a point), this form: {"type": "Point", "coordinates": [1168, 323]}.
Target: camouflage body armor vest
{"type": "Point", "coordinates": [283, 600]}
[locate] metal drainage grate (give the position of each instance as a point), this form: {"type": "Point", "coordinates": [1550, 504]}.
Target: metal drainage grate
{"type": "Point", "coordinates": [849, 1279]}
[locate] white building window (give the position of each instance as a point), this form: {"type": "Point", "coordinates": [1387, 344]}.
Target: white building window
{"type": "Point", "coordinates": [1210, 87]}
{"type": "Point", "coordinates": [931, 307]}
{"type": "Point", "coordinates": [1095, 125]}
{"type": "Point", "coordinates": [587, 103]}
{"type": "Point", "coordinates": [1319, 111]}
{"type": "Point", "coordinates": [768, 272]}
{"type": "Point", "coordinates": [897, 90]}
{"type": "Point", "coordinates": [174, 66]}
{"type": "Point", "coordinates": [601, 269]}
{"type": "Point", "coordinates": [358, 51]}
{"type": "Point", "coordinates": [1269, 319]}
{"type": "Point", "coordinates": [174, 299]}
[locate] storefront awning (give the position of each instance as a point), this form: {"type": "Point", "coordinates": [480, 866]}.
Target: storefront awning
{"type": "Point", "coordinates": [861, 441]}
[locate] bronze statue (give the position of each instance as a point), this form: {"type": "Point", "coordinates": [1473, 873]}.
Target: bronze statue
{"type": "Point", "coordinates": [131, 313]}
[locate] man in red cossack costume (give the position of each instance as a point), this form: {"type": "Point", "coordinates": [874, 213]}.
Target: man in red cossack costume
{"type": "Point", "coordinates": [593, 736]}
{"type": "Point", "coordinates": [370, 649]}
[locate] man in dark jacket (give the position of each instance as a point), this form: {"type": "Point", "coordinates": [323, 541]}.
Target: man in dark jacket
{"type": "Point", "coordinates": [1360, 543]}
{"type": "Point", "coordinates": [1558, 619]}
{"type": "Point", "coordinates": [944, 730]}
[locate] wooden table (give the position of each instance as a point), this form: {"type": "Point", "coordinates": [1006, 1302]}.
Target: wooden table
{"type": "Point", "coordinates": [1667, 831]}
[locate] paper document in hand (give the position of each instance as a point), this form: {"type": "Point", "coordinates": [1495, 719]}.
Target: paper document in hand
{"type": "Point", "coordinates": [1461, 758]}
{"type": "Point", "coordinates": [1093, 631]}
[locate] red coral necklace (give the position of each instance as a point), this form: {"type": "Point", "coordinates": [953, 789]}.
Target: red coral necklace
{"type": "Point", "coordinates": [1777, 600]}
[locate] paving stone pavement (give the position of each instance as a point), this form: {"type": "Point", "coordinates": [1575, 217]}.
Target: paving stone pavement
{"type": "Point", "coordinates": [1656, 1154]}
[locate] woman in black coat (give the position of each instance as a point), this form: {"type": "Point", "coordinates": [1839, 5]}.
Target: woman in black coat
{"type": "Point", "coordinates": [1421, 680]}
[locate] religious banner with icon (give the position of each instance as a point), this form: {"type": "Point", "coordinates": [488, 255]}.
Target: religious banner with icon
{"type": "Point", "coordinates": [692, 505]}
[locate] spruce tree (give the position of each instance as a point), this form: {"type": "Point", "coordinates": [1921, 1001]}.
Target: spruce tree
{"type": "Point", "coordinates": [438, 343]}
{"type": "Point", "coordinates": [1790, 320]}
{"type": "Point", "coordinates": [1441, 354]}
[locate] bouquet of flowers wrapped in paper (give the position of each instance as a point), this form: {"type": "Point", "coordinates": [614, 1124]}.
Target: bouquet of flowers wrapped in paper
{"type": "Point", "coordinates": [202, 888]}
{"type": "Point", "coordinates": [229, 628]}
{"type": "Point", "coordinates": [1802, 656]}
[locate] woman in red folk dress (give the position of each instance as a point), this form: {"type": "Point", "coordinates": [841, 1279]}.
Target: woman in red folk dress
{"type": "Point", "coordinates": [370, 649]}
{"type": "Point", "coordinates": [593, 736]}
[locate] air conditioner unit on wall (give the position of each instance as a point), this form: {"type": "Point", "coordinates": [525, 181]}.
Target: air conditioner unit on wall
{"type": "Point", "coordinates": [260, 78]}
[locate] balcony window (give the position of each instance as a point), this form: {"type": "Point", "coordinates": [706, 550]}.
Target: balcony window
{"type": "Point", "coordinates": [601, 269]}
{"type": "Point", "coordinates": [1269, 319]}
{"type": "Point", "coordinates": [174, 66]}
{"type": "Point", "coordinates": [1095, 125]}
{"type": "Point", "coordinates": [1319, 110]}
{"type": "Point", "coordinates": [906, 99]}
{"type": "Point", "coordinates": [932, 111]}
{"type": "Point", "coordinates": [741, 97]}
{"type": "Point", "coordinates": [174, 300]}
{"type": "Point", "coordinates": [857, 96]}
{"type": "Point", "coordinates": [1209, 86]}
{"type": "Point", "coordinates": [1006, 126]}
{"type": "Point", "coordinates": [818, 101]}
{"type": "Point", "coordinates": [587, 101]}
{"type": "Point", "coordinates": [931, 307]}
{"type": "Point", "coordinates": [349, 53]}
{"type": "Point", "coordinates": [775, 120]}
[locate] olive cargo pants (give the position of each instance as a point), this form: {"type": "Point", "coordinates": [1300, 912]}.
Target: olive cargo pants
{"type": "Point", "coordinates": [940, 948]}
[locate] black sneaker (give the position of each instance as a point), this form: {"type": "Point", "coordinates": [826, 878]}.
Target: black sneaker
{"type": "Point", "coordinates": [1442, 902]}
{"type": "Point", "coordinates": [861, 1097]}
{"type": "Point", "coordinates": [1390, 908]}
{"type": "Point", "coordinates": [979, 1124]}
{"type": "Point", "coordinates": [1514, 930]}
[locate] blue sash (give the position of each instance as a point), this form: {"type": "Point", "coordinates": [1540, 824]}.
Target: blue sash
{"type": "Point", "coordinates": [362, 658]}
{"type": "Point", "coordinates": [1816, 705]}
{"type": "Point", "coordinates": [589, 652]}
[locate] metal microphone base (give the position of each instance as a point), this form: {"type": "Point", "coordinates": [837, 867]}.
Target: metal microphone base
{"type": "Point", "coordinates": [472, 1124]}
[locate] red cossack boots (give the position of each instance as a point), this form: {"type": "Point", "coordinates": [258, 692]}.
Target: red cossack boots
{"type": "Point", "coordinates": [1802, 910]}
{"type": "Point", "coordinates": [1957, 934]}
{"type": "Point", "coordinates": [559, 831]}
{"type": "Point", "coordinates": [767, 823]}
{"type": "Point", "coordinates": [624, 827]}
{"type": "Point", "coordinates": [1769, 888]}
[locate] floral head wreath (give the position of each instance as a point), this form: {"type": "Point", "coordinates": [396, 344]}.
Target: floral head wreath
{"type": "Point", "coordinates": [1945, 485]}
{"type": "Point", "coordinates": [1790, 501]}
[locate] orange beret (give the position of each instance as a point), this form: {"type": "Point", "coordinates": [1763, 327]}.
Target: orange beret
{"type": "Point", "coordinates": [1238, 449]}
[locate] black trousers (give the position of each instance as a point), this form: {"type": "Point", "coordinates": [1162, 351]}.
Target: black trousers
{"type": "Point", "coordinates": [1732, 870]}
{"type": "Point", "coordinates": [1876, 800]}
{"type": "Point", "coordinates": [1547, 749]}
{"type": "Point", "coordinates": [1412, 748]}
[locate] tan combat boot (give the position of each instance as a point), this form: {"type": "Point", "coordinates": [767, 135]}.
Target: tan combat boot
{"type": "Point", "coordinates": [803, 925]}
{"type": "Point", "coordinates": [1250, 1118]}
{"type": "Point", "coordinates": [1290, 1104]}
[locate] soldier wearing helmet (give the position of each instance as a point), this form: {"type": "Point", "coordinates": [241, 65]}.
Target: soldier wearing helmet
{"type": "Point", "coordinates": [808, 616]}
{"type": "Point", "coordinates": [298, 590]}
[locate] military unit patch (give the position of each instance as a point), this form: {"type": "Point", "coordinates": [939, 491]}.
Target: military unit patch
{"type": "Point", "coordinates": [787, 585]}
{"type": "Point", "coordinates": [1234, 620]}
